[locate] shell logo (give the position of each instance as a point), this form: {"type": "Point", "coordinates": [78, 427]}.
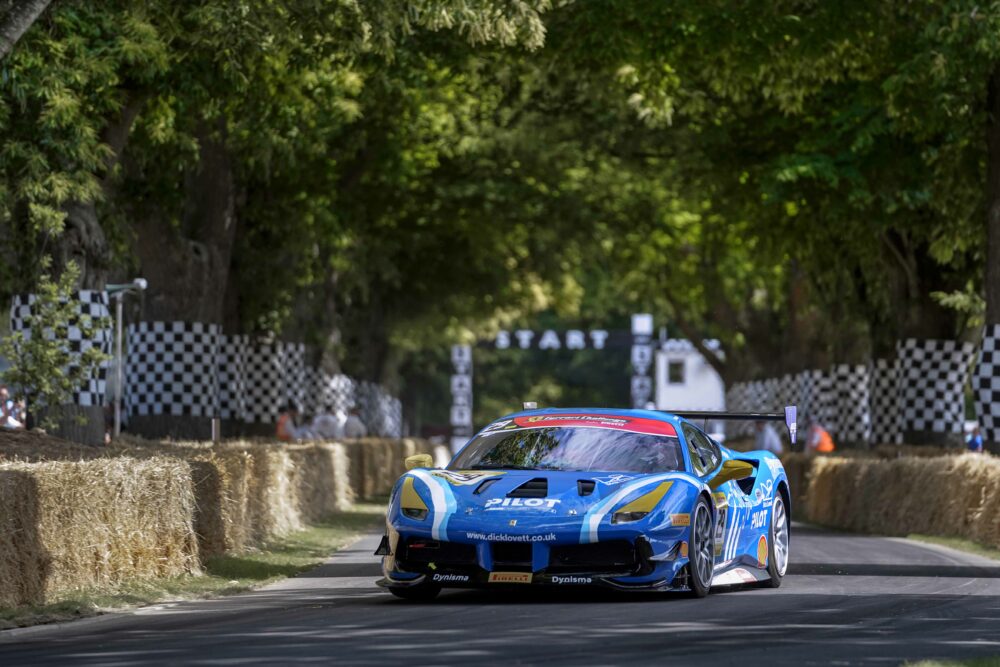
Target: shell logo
{"type": "Point", "coordinates": [762, 551]}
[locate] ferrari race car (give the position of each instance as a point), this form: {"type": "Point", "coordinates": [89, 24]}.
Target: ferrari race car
{"type": "Point", "coordinates": [627, 499]}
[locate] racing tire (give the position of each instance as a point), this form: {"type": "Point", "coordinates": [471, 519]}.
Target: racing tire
{"type": "Point", "coordinates": [701, 559]}
{"type": "Point", "coordinates": [424, 592]}
{"type": "Point", "coordinates": [777, 548]}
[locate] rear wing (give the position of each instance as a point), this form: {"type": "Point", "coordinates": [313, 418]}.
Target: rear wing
{"type": "Point", "coordinates": [788, 416]}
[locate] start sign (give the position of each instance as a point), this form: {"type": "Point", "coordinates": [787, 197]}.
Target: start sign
{"type": "Point", "coordinates": [573, 339]}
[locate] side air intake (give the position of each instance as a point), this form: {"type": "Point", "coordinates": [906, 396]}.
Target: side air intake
{"type": "Point", "coordinates": [533, 488]}
{"type": "Point", "coordinates": [585, 487]}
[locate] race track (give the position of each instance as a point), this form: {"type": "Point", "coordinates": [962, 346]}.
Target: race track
{"type": "Point", "coordinates": [847, 600]}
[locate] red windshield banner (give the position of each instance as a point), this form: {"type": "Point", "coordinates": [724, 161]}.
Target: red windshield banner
{"type": "Point", "coordinates": [613, 422]}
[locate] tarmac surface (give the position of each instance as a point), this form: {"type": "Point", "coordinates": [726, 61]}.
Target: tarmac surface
{"type": "Point", "coordinates": [847, 600]}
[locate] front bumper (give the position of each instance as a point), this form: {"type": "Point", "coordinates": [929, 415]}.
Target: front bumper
{"type": "Point", "coordinates": [619, 564]}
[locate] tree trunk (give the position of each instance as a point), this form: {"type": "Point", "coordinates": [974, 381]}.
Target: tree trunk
{"type": "Point", "coordinates": [188, 269]}
{"type": "Point", "coordinates": [992, 277]}
{"type": "Point", "coordinates": [20, 15]}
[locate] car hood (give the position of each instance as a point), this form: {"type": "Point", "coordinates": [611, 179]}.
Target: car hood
{"type": "Point", "coordinates": [575, 501]}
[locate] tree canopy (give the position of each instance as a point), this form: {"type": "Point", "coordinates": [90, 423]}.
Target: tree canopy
{"type": "Point", "coordinates": [807, 182]}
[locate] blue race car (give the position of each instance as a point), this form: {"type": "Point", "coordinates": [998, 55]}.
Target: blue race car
{"type": "Point", "coordinates": [627, 499]}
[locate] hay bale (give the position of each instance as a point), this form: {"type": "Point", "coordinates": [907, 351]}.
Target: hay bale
{"type": "Point", "coordinates": [94, 523]}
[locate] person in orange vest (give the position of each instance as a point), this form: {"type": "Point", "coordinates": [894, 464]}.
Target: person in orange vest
{"type": "Point", "coordinates": [286, 430]}
{"type": "Point", "coordinates": [818, 440]}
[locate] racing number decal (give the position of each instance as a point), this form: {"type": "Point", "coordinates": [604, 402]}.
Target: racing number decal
{"type": "Point", "coordinates": [722, 510]}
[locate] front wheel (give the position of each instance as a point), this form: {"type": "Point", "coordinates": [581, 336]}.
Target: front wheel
{"type": "Point", "coordinates": [424, 592]}
{"type": "Point", "coordinates": [777, 550]}
{"type": "Point", "coordinates": [701, 563]}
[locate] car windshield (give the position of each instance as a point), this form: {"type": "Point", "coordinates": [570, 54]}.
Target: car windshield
{"type": "Point", "coordinates": [576, 448]}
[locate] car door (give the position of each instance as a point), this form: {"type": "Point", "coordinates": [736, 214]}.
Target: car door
{"type": "Point", "coordinates": [731, 503]}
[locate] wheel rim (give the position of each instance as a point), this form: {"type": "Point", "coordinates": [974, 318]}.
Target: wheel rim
{"type": "Point", "coordinates": [702, 555]}
{"type": "Point", "coordinates": [780, 536]}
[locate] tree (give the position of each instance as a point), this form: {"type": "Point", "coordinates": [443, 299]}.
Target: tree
{"type": "Point", "coordinates": [44, 370]}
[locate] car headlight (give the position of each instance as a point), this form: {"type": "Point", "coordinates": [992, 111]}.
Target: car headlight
{"type": "Point", "coordinates": [641, 506]}
{"type": "Point", "coordinates": [410, 503]}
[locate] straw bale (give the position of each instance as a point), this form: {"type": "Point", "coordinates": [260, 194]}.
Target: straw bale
{"type": "Point", "coordinates": [93, 523]}
{"type": "Point", "coordinates": [950, 495]}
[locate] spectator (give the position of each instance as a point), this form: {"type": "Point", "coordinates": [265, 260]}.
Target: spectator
{"type": "Point", "coordinates": [818, 441]}
{"type": "Point", "coordinates": [11, 412]}
{"type": "Point", "coordinates": [354, 427]}
{"type": "Point", "coordinates": [975, 440]}
{"type": "Point", "coordinates": [767, 438]}
{"type": "Point", "coordinates": [327, 425]}
{"type": "Point", "coordinates": [287, 431]}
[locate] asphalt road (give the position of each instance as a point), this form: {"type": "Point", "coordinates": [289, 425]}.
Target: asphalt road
{"type": "Point", "coordinates": [847, 600]}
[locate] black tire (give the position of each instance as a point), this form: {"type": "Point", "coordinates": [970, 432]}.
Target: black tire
{"type": "Point", "coordinates": [777, 543]}
{"type": "Point", "coordinates": [424, 592]}
{"type": "Point", "coordinates": [701, 549]}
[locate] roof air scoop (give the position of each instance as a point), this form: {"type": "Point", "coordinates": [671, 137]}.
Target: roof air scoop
{"type": "Point", "coordinates": [533, 488]}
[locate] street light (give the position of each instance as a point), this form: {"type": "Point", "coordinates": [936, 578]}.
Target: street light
{"type": "Point", "coordinates": [118, 292]}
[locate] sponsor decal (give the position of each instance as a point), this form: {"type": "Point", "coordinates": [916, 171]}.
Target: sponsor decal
{"type": "Point", "coordinates": [597, 419]}
{"type": "Point", "coordinates": [720, 499]}
{"type": "Point", "coordinates": [768, 487]}
{"type": "Point", "coordinates": [464, 477]}
{"type": "Point", "coordinates": [505, 503]}
{"type": "Point", "coordinates": [612, 480]}
{"type": "Point", "coordinates": [614, 422]}
{"type": "Point", "coordinates": [762, 551]}
{"type": "Point", "coordinates": [571, 580]}
{"type": "Point", "coordinates": [504, 537]}
{"type": "Point", "coordinates": [680, 519]}
{"type": "Point", "coordinates": [510, 577]}
{"type": "Point", "coordinates": [512, 522]}
{"type": "Point", "coordinates": [684, 549]}
{"type": "Point", "coordinates": [450, 577]}
{"type": "Point", "coordinates": [758, 496]}
{"type": "Point", "coordinates": [775, 466]}
{"type": "Point", "coordinates": [758, 518]}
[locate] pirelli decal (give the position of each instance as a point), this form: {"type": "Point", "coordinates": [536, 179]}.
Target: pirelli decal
{"type": "Point", "coordinates": [680, 519]}
{"type": "Point", "coordinates": [510, 577]}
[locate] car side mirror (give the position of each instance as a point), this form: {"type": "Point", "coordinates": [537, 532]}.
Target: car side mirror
{"type": "Point", "coordinates": [419, 461]}
{"type": "Point", "coordinates": [731, 469]}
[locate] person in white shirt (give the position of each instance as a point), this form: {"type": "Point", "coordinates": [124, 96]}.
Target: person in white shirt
{"type": "Point", "coordinates": [767, 438]}
{"type": "Point", "coordinates": [354, 427]}
{"type": "Point", "coordinates": [327, 425]}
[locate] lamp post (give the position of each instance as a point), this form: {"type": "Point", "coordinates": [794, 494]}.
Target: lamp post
{"type": "Point", "coordinates": [118, 292]}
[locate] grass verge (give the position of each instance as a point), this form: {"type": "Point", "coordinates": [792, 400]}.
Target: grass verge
{"type": "Point", "coordinates": [223, 575]}
{"type": "Point", "coordinates": [968, 546]}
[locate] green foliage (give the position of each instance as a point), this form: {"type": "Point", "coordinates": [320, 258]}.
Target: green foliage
{"type": "Point", "coordinates": [43, 369]}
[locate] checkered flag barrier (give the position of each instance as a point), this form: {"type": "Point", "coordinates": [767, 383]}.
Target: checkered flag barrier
{"type": "Point", "coordinates": [230, 365]}
{"type": "Point", "coordinates": [850, 420]}
{"type": "Point", "coordinates": [932, 375]}
{"type": "Point", "coordinates": [193, 369]}
{"type": "Point", "coordinates": [92, 304]}
{"type": "Point", "coordinates": [883, 394]}
{"type": "Point", "coordinates": [986, 384]}
{"type": "Point", "coordinates": [920, 390]}
{"type": "Point", "coordinates": [171, 368]}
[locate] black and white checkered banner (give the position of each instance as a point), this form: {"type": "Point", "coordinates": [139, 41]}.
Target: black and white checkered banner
{"type": "Point", "coordinates": [193, 369]}
{"type": "Point", "coordinates": [986, 384]}
{"type": "Point", "coordinates": [171, 369]}
{"type": "Point", "coordinates": [92, 304]}
{"type": "Point", "coordinates": [920, 390]}
{"type": "Point", "coordinates": [932, 375]}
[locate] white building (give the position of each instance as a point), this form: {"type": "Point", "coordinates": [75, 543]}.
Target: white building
{"type": "Point", "coordinates": [686, 381]}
